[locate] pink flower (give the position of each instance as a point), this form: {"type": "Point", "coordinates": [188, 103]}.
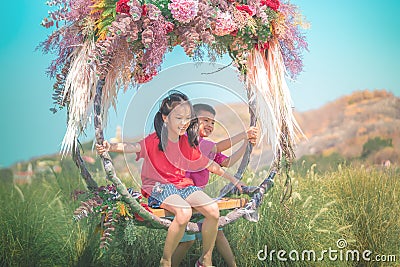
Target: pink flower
{"type": "Point", "coordinates": [273, 4]}
{"type": "Point", "coordinates": [224, 24]}
{"type": "Point", "coordinates": [152, 11]}
{"type": "Point", "coordinates": [147, 37]}
{"type": "Point", "coordinates": [135, 10]}
{"type": "Point", "coordinates": [246, 8]}
{"type": "Point", "coordinates": [122, 6]}
{"type": "Point", "coordinates": [184, 10]}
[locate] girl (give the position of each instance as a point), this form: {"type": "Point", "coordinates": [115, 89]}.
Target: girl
{"type": "Point", "coordinates": [168, 153]}
{"type": "Point", "coordinates": [206, 119]}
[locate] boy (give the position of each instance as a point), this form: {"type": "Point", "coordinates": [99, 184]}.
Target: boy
{"type": "Point", "coordinates": [206, 116]}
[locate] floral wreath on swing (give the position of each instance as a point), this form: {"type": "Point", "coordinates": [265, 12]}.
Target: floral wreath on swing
{"type": "Point", "coordinates": [102, 46]}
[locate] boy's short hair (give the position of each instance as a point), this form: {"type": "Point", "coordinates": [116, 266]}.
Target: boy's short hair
{"type": "Point", "coordinates": [203, 107]}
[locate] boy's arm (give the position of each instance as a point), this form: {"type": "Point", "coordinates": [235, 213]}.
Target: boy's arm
{"type": "Point", "coordinates": [229, 161]}
{"type": "Point", "coordinates": [249, 134]}
{"type": "Point", "coordinates": [215, 168]}
{"type": "Point", "coordinates": [229, 142]}
{"type": "Point", "coordinates": [118, 147]}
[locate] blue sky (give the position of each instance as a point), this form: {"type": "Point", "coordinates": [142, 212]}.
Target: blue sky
{"type": "Point", "coordinates": [353, 46]}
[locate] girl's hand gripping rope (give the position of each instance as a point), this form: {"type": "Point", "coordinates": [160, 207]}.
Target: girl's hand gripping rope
{"type": "Point", "coordinates": [105, 147]}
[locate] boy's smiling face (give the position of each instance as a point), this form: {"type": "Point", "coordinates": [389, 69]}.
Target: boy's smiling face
{"type": "Point", "coordinates": [206, 123]}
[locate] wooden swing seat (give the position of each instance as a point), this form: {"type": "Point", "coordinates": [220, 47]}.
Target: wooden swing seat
{"type": "Point", "coordinates": [223, 204]}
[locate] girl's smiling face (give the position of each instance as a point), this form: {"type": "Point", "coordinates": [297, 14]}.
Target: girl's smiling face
{"type": "Point", "coordinates": [178, 121]}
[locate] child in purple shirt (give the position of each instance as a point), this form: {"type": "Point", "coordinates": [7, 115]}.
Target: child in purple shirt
{"type": "Point", "coordinates": [206, 116]}
{"type": "Point", "coordinates": [207, 148]}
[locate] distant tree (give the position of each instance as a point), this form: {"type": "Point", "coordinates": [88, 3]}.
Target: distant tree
{"type": "Point", "coordinates": [374, 145]}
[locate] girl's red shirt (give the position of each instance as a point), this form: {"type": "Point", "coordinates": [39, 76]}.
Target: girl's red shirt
{"type": "Point", "coordinates": [169, 166]}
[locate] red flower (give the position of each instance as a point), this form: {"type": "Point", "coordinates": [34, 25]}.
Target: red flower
{"type": "Point", "coordinates": [137, 217]}
{"type": "Point", "coordinates": [273, 4]}
{"type": "Point", "coordinates": [169, 27]}
{"type": "Point", "coordinates": [122, 6]}
{"type": "Point", "coordinates": [144, 78]}
{"type": "Point", "coordinates": [262, 47]}
{"type": "Point", "coordinates": [144, 10]}
{"type": "Point", "coordinates": [144, 205]}
{"type": "Point", "coordinates": [234, 33]}
{"type": "Point", "coordinates": [249, 9]}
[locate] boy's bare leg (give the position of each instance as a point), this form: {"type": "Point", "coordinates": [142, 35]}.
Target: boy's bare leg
{"type": "Point", "coordinates": [180, 252]}
{"type": "Point", "coordinates": [209, 208]}
{"type": "Point", "coordinates": [183, 212]}
{"type": "Point", "coordinates": [224, 249]}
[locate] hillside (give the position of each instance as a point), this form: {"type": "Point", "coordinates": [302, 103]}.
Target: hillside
{"type": "Point", "coordinates": [346, 124]}
{"type": "Point", "coordinates": [342, 126]}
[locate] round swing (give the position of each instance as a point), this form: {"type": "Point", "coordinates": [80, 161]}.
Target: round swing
{"type": "Point", "coordinates": [105, 45]}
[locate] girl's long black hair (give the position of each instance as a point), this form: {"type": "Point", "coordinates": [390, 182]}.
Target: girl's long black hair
{"type": "Point", "coordinates": [174, 99]}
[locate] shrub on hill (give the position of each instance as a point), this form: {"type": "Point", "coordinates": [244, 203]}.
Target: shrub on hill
{"type": "Point", "coordinates": [374, 145]}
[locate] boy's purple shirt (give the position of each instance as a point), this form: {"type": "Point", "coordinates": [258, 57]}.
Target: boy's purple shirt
{"type": "Point", "coordinates": [200, 178]}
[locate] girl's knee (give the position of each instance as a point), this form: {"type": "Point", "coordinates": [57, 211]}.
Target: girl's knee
{"type": "Point", "coordinates": [212, 211]}
{"type": "Point", "coordinates": [183, 216]}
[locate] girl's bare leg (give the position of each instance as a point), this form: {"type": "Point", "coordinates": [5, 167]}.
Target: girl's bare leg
{"type": "Point", "coordinates": [224, 249]}
{"type": "Point", "coordinates": [209, 208]}
{"type": "Point", "coordinates": [183, 212]}
{"type": "Point", "coordinates": [180, 252]}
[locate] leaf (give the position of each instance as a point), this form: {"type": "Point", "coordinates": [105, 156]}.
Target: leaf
{"type": "Point", "coordinates": [103, 26]}
{"type": "Point", "coordinates": [107, 12]}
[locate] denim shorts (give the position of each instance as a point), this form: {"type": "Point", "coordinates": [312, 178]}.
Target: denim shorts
{"type": "Point", "coordinates": [161, 191]}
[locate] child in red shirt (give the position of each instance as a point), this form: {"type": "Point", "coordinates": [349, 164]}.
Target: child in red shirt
{"type": "Point", "coordinates": [168, 154]}
{"type": "Point", "coordinates": [206, 116]}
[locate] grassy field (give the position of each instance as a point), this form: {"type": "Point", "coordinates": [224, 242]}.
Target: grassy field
{"type": "Point", "coordinates": [341, 212]}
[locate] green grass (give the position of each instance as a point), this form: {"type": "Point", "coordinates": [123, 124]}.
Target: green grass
{"type": "Point", "coordinates": [357, 204]}
{"type": "Point", "coordinates": [368, 200]}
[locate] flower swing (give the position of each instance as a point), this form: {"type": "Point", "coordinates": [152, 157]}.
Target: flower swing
{"type": "Point", "coordinates": [105, 45]}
